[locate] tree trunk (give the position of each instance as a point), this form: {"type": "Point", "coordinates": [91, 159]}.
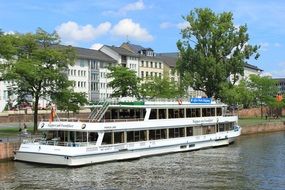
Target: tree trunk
{"type": "Point", "coordinates": [261, 111]}
{"type": "Point", "coordinates": [36, 114]}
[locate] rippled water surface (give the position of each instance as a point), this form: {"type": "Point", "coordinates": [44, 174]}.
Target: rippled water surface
{"type": "Point", "coordinates": [253, 162]}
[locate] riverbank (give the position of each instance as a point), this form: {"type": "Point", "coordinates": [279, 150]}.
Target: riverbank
{"type": "Point", "coordinates": [263, 128]}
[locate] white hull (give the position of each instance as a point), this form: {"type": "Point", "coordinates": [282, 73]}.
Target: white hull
{"type": "Point", "coordinates": [92, 154]}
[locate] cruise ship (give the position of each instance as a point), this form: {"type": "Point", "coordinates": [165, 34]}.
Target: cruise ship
{"type": "Point", "coordinates": [130, 130]}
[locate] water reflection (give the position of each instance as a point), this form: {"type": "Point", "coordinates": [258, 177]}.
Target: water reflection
{"type": "Point", "coordinates": [253, 162]}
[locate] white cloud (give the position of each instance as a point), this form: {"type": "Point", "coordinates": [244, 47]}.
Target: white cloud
{"type": "Point", "coordinates": [71, 31]}
{"type": "Point", "coordinates": [136, 6]}
{"type": "Point", "coordinates": [139, 5]}
{"type": "Point", "coordinates": [166, 25]}
{"type": "Point", "coordinates": [130, 29]}
{"type": "Point", "coordinates": [96, 46]}
{"type": "Point", "coordinates": [182, 25]}
{"type": "Point", "coordinates": [266, 74]}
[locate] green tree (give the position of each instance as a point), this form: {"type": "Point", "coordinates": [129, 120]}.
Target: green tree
{"type": "Point", "coordinates": [212, 49]}
{"type": "Point", "coordinates": [237, 95]}
{"type": "Point", "coordinates": [159, 88]}
{"type": "Point", "coordinates": [7, 45]}
{"type": "Point", "coordinates": [67, 100]}
{"type": "Point", "coordinates": [38, 66]}
{"type": "Point", "coordinates": [124, 82]}
{"type": "Point", "coordinates": [264, 89]}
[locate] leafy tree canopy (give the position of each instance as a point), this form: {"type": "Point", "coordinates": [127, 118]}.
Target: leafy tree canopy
{"type": "Point", "coordinates": [67, 100]}
{"type": "Point", "coordinates": [159, 88]}
{"type": "Point", "coordinates": [239, 94]}
{"type": "Point", "coordinates": [38, 65]}
{"type": "Point", "coordinates": [211, 49]}
{"type": "Point", "coordinates": [124, 82]}
{"type": "Point", "coordinates": [264, 89]}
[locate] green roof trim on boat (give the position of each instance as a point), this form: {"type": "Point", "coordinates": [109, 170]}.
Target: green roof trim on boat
{"type": "Point", "coordinates": [132, 103]}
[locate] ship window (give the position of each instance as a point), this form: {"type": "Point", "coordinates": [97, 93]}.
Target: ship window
{"type": "Point", "coordinates": [170, 113]}
{"type": "Point", "coordinates": [162, 113]}
{"type": "Point", "coordinates": [157, 134]}
{"type": "Point", "coordinates": [208, 129]}
{"type": "Point", "coordinates": [206, 112]}
{"type": "Point", "coordinates": [118, 137]}
{"type": "Point", "coordinates": [193, 112]}
{"type": "Point", "coordinates": [219, 111]}
{"type": "Point", "coordinates": [115, 113]}
{"type": "Point", "coordinates": [176, 132]}
{"type": "Point", "coordinates": [173, 113]}
{"type": "Point", "coordinates": [212, 111]}
{"type": "Point", "coordinates": [181, 113]}
{"type": "Point", "coordinates": [221, 127]}
{"type": "Point", "coordinates": [92, 137]}
{"type": "Point", "coordinates": [107, 138]}
{"type": "Point", "coordinates": [134, 136]}
{"type": "Point", "coordinates": [153, 114]}
{"type": "Point", "coordinates": [81, 137]}
{"type": "Point", "coordinates": [189, 131]}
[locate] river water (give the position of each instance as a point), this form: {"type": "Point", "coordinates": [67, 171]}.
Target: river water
{"type": "Point", "coordinates": [252, 162]}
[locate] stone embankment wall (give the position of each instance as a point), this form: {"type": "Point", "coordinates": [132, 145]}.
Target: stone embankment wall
{"type": "Point", "coordinates": [254, 112]}
{"type": "Point", "coordinates": [7, 149]}
{"type": "Point", "coordinates": [263, 128]}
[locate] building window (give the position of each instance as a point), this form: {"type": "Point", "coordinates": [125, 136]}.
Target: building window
{"type": "Point", "coordinates": [146, 63]}
{"type": "Point", "coordinates": [142, 74]}
{"type": "Point", "coordinates": [155, 64]}
{"type": "Point", "coordinates": [151, 64]}
{"type": "Point", "coordinates": [141, 63]}
{"type": "Point", "coordinates": [159, 65]}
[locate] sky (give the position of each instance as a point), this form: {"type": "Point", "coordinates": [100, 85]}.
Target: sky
{"type": "Point", "coordinates": [155, 24]}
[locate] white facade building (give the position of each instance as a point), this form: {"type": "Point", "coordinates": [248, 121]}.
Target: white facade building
{"type": "Point", "coordinates": [89, 74]}
{"type": "Point", "coordinates": [123, 57]}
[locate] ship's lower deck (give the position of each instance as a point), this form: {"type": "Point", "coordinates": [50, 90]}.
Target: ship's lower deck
{"type": "Point", "coordinates": [76, 156]}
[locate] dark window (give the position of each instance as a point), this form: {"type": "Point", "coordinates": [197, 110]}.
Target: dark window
{"type": "Point", "coordinates": [176, 132]}
{"type": "Point", "coordinates": [219, 111]}
{"type": "Point", "coordinates": [162, 113]}
{"type": "Point", "coordinates": [107, 138]}
{"type": "Point", "coordinates": [118, 137]}
{"type": "Point", "coordinates": [153, 114]}
{"type": "Point", "coordinates": [189, 131]}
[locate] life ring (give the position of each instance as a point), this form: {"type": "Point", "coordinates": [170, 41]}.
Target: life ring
{"type": "Point", "coordinates": [179, 101]}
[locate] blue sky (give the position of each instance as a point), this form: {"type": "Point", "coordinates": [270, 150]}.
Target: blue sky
{"type": "Point", "coordinates": [155, 24]}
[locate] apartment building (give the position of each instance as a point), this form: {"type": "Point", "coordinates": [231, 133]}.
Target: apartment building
{"type": "Point", "coordinates": [248, 70]}
{"type": "Point", "coordinates": [89, 73]}
{"type": "Point", "coordinates": [149, 64]}
{"type": "Point", "coordinates": [280, 83]}
{"type": "Point", "coordinates": [122, 56]}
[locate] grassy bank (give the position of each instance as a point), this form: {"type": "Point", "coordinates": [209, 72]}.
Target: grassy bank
{"type": "Point", "coordinates": [258, 121]}
{"type": "Point", "coordinates": [13, 129]}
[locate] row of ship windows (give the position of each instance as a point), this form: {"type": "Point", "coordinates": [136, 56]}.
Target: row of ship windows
{"type": "Point", "coordinates": [142, 135]}
{"type": "Point", "coordinates": [157, 134]}
{"type": "Point", "coordinates": [163, 113]}
{"type": "Point", "coordinates": [184, 113]}
{"type": "Point", "coordinates": [151, 64]}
